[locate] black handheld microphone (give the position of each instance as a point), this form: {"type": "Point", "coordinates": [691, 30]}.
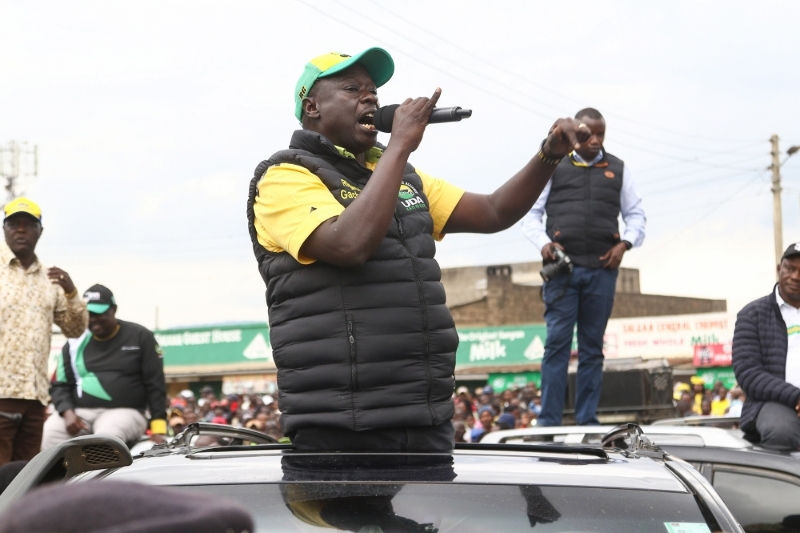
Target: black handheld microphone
{"type": "Point", "coordinates": [384, 116]}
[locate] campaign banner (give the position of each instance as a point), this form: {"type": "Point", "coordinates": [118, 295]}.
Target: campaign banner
{"type": "Point", "coordinates": [713, 355]}
{"type": "Point", "coordinates": [666, 336]}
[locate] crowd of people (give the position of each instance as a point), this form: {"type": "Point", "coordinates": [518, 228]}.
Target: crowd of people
{"type": "Point", "coordinates": [718, 400]}
{"type": "Point", "coordinates": [477, 412]}
{"type": "Point", "coordinates": [252, 411]}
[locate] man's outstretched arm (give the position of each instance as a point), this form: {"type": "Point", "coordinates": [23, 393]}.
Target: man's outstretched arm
{"type": "Point", "coordinates": [490, 213]}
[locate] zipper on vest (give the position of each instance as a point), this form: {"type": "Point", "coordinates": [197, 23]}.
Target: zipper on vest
{"type": "Point", "coordinates": [351, 338]}
{"type": "Point", "coordinates": [424, 307]}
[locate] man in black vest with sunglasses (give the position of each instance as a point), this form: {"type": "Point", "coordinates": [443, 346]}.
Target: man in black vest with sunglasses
{"type": "Point", "coordinates": [344, 233]}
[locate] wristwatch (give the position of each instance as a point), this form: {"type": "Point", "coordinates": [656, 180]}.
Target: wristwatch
{"type": "Point", "coordinates": [627, 244]}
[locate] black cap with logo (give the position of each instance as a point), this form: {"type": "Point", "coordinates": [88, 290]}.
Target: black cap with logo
{"type": "Point", "coordinates": [98, 299]}
{"type": "Point", "coordinates": [792, 251]}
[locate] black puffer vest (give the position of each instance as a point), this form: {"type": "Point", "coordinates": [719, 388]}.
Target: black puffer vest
{"type": "Point", "coordinates": [367, 347]}
{"type": "Point", "coordinates": [583, 207]}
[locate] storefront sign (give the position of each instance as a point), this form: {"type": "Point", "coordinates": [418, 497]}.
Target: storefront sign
{"type": "Point", "coordinates": [506, 345]}
{"type": "Point", "coordinates": [712, 375]}
{"type": "Point", "coordinates": [501, 382]}
{"type": "Point", "coordinates": [241, 345]}
{"type": "Point", "coordinates": [667, 336]}
{"type": "Point", "coordinates": [712, 355]}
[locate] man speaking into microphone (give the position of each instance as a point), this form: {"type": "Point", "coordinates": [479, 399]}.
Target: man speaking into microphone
{"type": "Point", "coordinates": [344, 233]}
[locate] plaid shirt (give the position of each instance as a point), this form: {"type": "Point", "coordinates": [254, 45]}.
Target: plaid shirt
{"type": "Point", "coordinates": [29, 305]}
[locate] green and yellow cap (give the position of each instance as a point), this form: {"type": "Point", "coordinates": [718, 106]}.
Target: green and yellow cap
{"type": "Point", "coordinates": [377, 61]}
{"type": "Point", "coordinates": [22, 205]}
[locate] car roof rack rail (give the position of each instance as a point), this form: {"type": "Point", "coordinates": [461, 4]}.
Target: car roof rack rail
{"type": "Point", "coordinates": [631, 441]}
{"type": "Point", "coordinates": [533, 448]}
{"type": "Point", "coordinates": [65, 460]}
{"type": "Point", "coordinates": [183, 440]}
{"type": "Point", "coordinates": [726, 421]}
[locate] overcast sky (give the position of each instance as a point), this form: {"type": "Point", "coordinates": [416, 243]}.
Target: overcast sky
{"type": "Point", "coordinates": [151, 116]}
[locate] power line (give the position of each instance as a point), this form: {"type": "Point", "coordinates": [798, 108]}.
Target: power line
{"type": "Point", "coordinates": [471, 71]}
{"type": "Point", "coordinates": [413, 58]}
{"type": "Point", "coordinates": [708, 213]}
{"type": "Point", "coordinates": [417, 26]}
{"type": "Point", "coordinates": [749, 157]}
{"type": "Point", "coordinates": [684, 187]}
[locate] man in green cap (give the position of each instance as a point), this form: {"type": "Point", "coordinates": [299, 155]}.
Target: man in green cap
{"type": "Point", "coordinates": [344, 232]}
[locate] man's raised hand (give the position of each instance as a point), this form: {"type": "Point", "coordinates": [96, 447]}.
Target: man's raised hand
{"type": "Point", "coordinates": [566, 135]}
{"type": "Point", "coordinates": [410, 119]}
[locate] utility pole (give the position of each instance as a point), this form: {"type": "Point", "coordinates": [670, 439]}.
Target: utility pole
{"type": "Point", "coordinates": [777, 218]}
{"type": "Point", "coordinates": [18, 161]}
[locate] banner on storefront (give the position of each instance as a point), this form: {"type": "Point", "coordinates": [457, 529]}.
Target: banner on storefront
{"type": "Point", "coordinates": [712, 355]}
{"type": "Point", "coordinates": [712, 375]}
{"type": "Point", "coordinates": [501, 382]}
{"type": "Point", "coordinates": [667, 336]}
{"type": "Point", "coordinates": [223, 347]}
{"type": "Point", "coordinates": [504, 345]}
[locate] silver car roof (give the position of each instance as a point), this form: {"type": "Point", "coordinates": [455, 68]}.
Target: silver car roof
{"type": "Point", "coordinates": [220, 467]}
{"type": "Point", "coordinates": [661, 435]}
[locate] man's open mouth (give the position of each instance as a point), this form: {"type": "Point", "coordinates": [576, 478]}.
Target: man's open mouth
{"type": "Point", "coordinates": [366, 120]}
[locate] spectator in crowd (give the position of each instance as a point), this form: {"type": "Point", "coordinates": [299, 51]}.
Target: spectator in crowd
{"type": "Point", "coordinates": [737, 402]}
{"type": "Point", "coordinates": [535, 406]}
{"type": "Point", "coordinates": [106, 379]}
{"type": "Point", "coordinates": [347, 226]}
{"type": "Point", "coordinates": [486, 416]}
{"type": "Point", "coordinates": [177, 424]}
{"type": "Point", "coordinates": [506, 421]}
{"type": "Point", "coordinates": [705, 407]}
{"type": "Point", "coordinates": [526, 419]}
{"type": "Point", "coordinates": [460, 431]}
{"type": "Point", "coordinates": [698, 393]}
{"type": "Point", "coordinates": [583, 200]}
{"type": "Point", "coordinates": [32, 301]}
{"type": "Point", "coordinates": [766, 359]}
{"type": "Point", "coordinates": [720, 403]}
{"type": "Point", "coordinates": [685, 404]}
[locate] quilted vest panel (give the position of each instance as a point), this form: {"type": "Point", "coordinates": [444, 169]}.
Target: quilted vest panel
{"type": "Point", "coordinates": [367, 347]}
{"type": "Point", "coordinates": [583, 207]}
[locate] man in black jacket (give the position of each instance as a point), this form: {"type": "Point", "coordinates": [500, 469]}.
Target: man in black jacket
{"type": "Point", "coordinates": [766, 360]}
{"type": "Point", "coordinates": [344, 233]}
{"type": "Point", "coordinates": [106, 378]}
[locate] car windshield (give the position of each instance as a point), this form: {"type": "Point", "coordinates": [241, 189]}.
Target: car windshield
{"type": "Point", "coordinates": [441, 507]}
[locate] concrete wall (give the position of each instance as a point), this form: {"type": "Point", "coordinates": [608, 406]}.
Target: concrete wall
{"type": "Point", "coordinates": [505, 302]}
{"type": "Point", "coordinates": [468, 284]}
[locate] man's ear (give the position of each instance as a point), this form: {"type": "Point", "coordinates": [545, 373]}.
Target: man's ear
{"type": "Point", "coordinates": [310, 108]}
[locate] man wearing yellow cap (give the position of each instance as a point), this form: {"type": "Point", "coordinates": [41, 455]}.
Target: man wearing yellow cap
{"type": "Point", "coordinates": [344, 232]}
{"type": "Point", "coordinates": [31, 300]}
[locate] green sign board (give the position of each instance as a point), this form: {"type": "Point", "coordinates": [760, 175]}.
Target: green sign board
{"type": "Point", "coordinates": [501, 382]}
{"type": "Point", "coordinates": [239, 346]}
{"type": "Point", "coordinates": [712, 375]}
{"type": "Point", "coordinates": [498, 346]}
